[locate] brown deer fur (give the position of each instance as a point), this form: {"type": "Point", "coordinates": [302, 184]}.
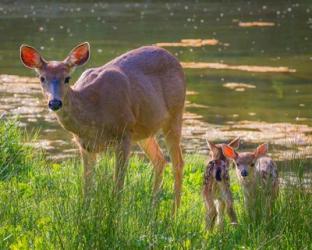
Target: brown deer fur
{"type": "Point", "coordinates": [126, 100]}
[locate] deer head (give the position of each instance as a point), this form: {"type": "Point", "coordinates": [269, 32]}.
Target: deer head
{"type": "Point", "coordinates": [215, 150]}
{"type": "Point", "coordinates": [244, 162]}
{"type": "Point", "coordinates": [55, 75]}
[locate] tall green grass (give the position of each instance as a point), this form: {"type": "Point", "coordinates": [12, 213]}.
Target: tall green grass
{"type": "Point", "coordinates": [42, 207]}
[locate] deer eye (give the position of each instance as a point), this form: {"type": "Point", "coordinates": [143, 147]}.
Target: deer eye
{"type": "Point", "coordinates": [252, 164]}
{"type": "Point", "coordinates": [67, 79]}
{"type": "Point", "coordinates": [42, 79]}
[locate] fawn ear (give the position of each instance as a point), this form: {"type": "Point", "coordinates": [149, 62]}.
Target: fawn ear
{"type": "Point", "coordinates": [79, 55]}
{"type": "Point", "coordinates": [261, 150]}
{"type": "Point", "coordinates": [30, 57]}
{"type": "Point", "coordinates": [235, 143]}
{"type": "Point", "coordinates": [212, 147]}
{"type": "Point", "coordinates": [229, 152]}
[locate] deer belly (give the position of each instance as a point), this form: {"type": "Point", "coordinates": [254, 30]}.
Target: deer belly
{"type": "Point", "coordinates": [149, 123]}
{"type": "Point", "coordinates": [145, 130]}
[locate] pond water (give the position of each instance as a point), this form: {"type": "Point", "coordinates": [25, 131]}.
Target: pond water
{"type": "Point", "coordinates": [247, 64]}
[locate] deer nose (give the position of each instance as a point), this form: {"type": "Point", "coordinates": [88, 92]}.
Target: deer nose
{"type": "Point", "coordinates": [55, 104]}
{"type": "Point", "coordinates": [244, 173]}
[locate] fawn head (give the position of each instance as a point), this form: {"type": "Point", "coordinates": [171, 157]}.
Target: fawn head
{"type": "Point", "coordinates": [215, 150]}
{"type": "Point", "coordinates": [55, 75]}
{"type": "Point", "coordinates": [218, 164]}
{"type": "Point", "coordinates": [218, 169]}
{"type": "Point", "coordinates": [244, 162]}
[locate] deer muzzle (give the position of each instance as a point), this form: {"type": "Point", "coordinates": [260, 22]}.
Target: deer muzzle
{"type": "Point", "coordinates": [55, 104]}
{"type": "Point", "coordinates": [244, 173]}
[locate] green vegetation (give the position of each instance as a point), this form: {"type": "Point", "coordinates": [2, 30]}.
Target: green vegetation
{"type": "Point", "coordinates": [42, 207]}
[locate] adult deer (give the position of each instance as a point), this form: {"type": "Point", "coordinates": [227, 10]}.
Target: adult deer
{"type": "Point", "coordinates": [126, 100]}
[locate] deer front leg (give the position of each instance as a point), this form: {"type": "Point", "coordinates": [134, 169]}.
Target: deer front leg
{"type": "Point", "coordinates": [211, 212]}
{"type": "Point", "coordinates": [230, 211]}
{"type": "Point", "coordinates": [220, 216]}
{"type": "Point", "coordinates": [122, 152]}
{"type": "Point", "coordinates": [229, 204]}
{"type": "Point", "coordinates": [249, 200]}
{"type": "Point", "coordinates": [88, 160]}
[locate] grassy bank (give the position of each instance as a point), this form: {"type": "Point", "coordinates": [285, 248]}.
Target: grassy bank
{"type": "Point", "coordinates": [41, 207]}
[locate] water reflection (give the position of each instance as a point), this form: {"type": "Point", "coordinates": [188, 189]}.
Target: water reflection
{"type": "Point", "coordinates": [271, 63]}
{"type": "Point", "coordinates": [190, 43]}
{"type": "Point", "coordinates": [248, 68]}
{"type": "Point", "coordinates": [256, 24]}
{"type": "Point", "coordinates": [22, 99]}
{"type": "Point", "coordinates": [238, 86]}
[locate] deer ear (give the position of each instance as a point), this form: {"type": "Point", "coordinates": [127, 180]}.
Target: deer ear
{"type": "Point", "coordinates": [79, 55]}
{"type": "Point", "coordinates": [30, 57]}
{"type": "Point", "coordinates": [235, 143]}
{"type": "Point", "coordinates": [212, 147]}
{"type": "Point", "coordinates": [229, 152]}
{"type": "Point", "coordinates": [261, 150]}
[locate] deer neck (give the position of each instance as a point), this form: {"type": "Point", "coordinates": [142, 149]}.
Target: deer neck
{"type": "Point", "coordinates": [72, 115]}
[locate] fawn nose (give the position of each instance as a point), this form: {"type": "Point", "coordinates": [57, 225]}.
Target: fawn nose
{"type": "Point", "coordinates": [55, 104]}
{"type": "Point", "coordinates": [244, 173]}
{"type": "Point", "coordinates": [218, 174]}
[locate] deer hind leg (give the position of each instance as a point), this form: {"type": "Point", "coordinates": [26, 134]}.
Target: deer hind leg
{"type": "Point", "coordinates": [154, 153]}
{"type": "Point", "coordinates": [122, 152]}
{"type": "Point", "coordinates": [211, 211]}
{"type": "Point", "coordinates": [173, 136]}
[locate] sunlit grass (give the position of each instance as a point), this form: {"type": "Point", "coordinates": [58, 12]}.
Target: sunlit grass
{"type": "Point", "coordinates": [42, 207]}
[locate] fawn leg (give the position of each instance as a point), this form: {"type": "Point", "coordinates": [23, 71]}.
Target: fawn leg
{"type": "Point", "coordinates": [220, 217]}
{"type": "Point", "coordinates": [211, 211]}
{"type": "Point", "coordinates": [229, 206]}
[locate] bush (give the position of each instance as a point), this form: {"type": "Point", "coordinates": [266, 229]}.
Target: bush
{"type": "Point", "coordinates": [15, 157]}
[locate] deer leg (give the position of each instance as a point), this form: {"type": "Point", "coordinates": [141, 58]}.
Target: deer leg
{"type": "Point", "coordinates": [250, 205]}
{"type": "Point", "coordinates": [228, 201]}
{"type": "Point", "coordinates": [153, 151]}
{"type": "Point", "coordinates": [88, 160]}
{"type": "Point", "coordinates": [122, 152]}
{"type": "Point", "coordinates": [211, 212]}
{"type": "Point", "coordinates": [230, 209]}
{"type": "Point", "coordinates": [220, 216]}
{"type": "Point", "coordinates": [172, 136]}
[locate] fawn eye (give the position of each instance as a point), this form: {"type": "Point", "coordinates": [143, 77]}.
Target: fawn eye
{"type": "Point", "coordinates": [42, 79]}
{"type": "Point", "coordinates": [67, 79]}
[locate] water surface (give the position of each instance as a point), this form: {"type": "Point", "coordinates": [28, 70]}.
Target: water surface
{"type": "Point", "coordinates": [276, 109]}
